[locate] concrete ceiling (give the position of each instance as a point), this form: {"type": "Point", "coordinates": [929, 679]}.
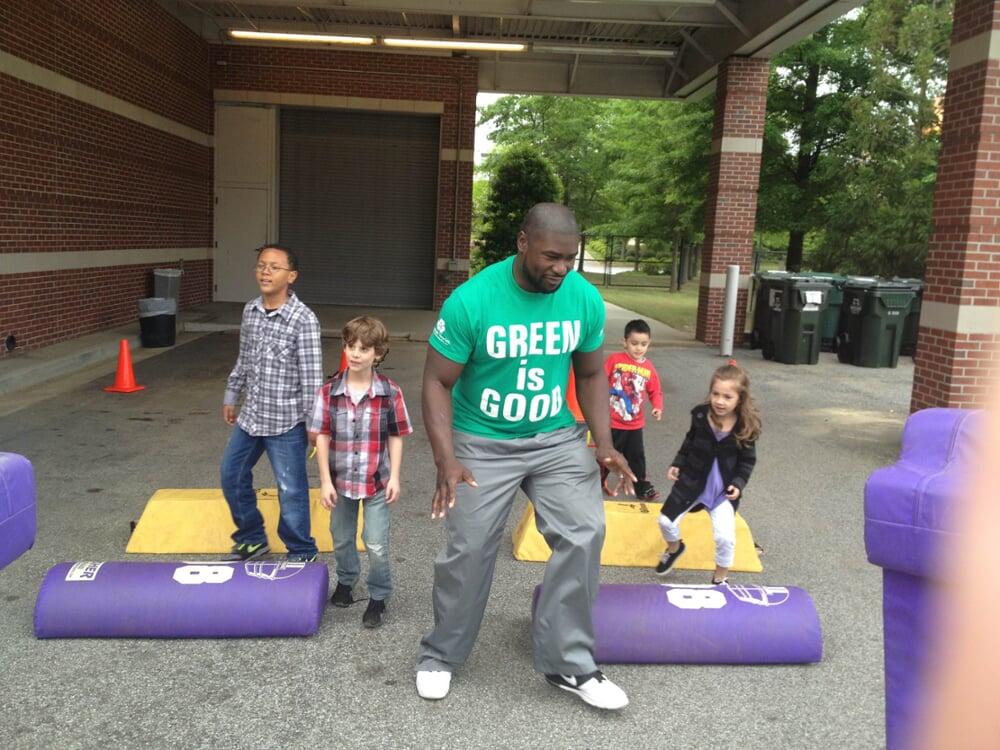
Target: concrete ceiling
{"type": "Point", "coordinates": [630, 48]}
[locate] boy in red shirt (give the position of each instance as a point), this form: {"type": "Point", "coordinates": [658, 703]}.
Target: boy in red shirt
{"type": "Point", "coordinates": [631, 379]}
{"type": "Point", "coordinates": [359, 421]}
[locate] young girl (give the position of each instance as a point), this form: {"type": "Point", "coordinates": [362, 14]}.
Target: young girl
{"type": "Point", "coordinates": [712, 467]}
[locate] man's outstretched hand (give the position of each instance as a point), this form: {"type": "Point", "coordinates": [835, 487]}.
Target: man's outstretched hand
{"type": "Point", "coordinates": [614, 461]}
{"type": "Point", "coordinates": [449, 474]}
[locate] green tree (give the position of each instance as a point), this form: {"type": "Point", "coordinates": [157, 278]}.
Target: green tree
{"type": "Point", "coordinates": [880, 222]}
{"type": "Point", "coordinates": [810, 91]}
{"type": "Point", "coordinates": [480, 192]}
{"type": "Point", "coordinates": [658, 177]}
{"type": "Point", "coordinates": [568, 131]}
{"type": "Point", "coordinates": [521, 177]}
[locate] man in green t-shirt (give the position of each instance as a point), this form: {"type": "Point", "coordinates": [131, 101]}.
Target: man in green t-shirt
{"type": "Point", "coordinates": [494, 405]}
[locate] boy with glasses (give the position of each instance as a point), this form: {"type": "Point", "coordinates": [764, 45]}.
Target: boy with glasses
{"type": "Point", "coordinates": [278, 372]}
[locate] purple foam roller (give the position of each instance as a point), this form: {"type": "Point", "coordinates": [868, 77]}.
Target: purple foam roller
{"type": "Point", "coordinates": [727, 624]}
{"type": "Point", "coordinates": [254, 599]}
{"type": "Point", "coordinates": [17, 507]}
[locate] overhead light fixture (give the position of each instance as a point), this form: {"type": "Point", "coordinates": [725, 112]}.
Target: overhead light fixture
{"type": "Point", "coordinates": [290, 36]}
{"type": "Point", "coordinates": [618, 51]}
{"type": "Point", "coordinates": [460, 44]}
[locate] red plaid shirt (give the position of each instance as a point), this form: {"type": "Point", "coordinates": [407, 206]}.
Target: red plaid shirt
{"type": "Point", "coordinates": [359, 433]}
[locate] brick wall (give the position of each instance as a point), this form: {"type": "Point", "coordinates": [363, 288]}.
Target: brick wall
{"type": "Point", "coordinates": [64, 305]}
{"type": "Point", "coordinates": [730, 212]}
{"type": "Point", "coordinates": [957, 354]}
{"type": "Point", "coordinates": [129, 48]}
{"type": "Point", "coordinates": [377, 75]}
{"type": "Point", "coordinates": [954, 369]}
{"type": "Point", "coordinates": [78, 178]}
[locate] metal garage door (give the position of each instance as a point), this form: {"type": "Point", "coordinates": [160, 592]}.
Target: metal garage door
{"type": "Point", "coordinates": [358, 203]}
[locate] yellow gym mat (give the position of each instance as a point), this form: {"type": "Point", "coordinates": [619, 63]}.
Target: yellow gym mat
{"type": "Point", "coordinates": [197, 522]}
{"type": "Point", "coordinates": [633, 539]}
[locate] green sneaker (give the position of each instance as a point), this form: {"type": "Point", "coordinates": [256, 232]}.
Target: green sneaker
{"type": "Point", "coordinates": [242, 552]}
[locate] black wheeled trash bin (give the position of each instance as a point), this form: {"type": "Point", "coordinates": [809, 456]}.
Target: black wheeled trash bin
{"type": "Point", "coordinates": [157, 322]}
{"type": "Point", "coordinates": [765, 282]}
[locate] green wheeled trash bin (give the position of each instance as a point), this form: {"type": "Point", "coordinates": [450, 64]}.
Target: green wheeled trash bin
{"type": "Point", "coordinates": [831, 315]}
{"type": "Point", "coordinates": [911, 327]}
{"type": "Point", "coordinates": [852, 303]}
{"type": "Point", "coordinates": [873, 315]}
{"type": "Point", "coordinates": [765, 282]}
{"type": "Point", "coordinates": [796, 312]}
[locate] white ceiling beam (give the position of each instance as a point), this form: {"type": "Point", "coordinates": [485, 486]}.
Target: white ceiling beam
{"type": "Point", "coordinates": [701, 50]}
{"type": "Point", "coordinates": [773, 28]}
{"type": "Point", "coordinates": [646, 14]}
{"type": "Point", "coordinates": [510, 75]}
{"type": "Point", "coordinates": [568, 47]}
{"type": "Point", "coordinates": [714, 29]}
{"type": "Point", "coordinates": [729, 13]}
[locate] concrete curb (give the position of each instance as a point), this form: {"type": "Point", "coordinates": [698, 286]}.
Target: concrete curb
{"type": "Point", "coordinates": [32, 369]}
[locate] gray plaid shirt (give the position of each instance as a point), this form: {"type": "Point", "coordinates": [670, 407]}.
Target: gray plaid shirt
{"type": "Point", "coordinates": [279, 368]}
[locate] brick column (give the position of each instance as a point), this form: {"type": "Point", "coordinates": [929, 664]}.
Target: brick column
{"type": "Point", "coordinates": [737, 140]}
{"type": "Point", "coordinates": [957, 354]}
{"type": "Point", "coordinates": [455, 175]}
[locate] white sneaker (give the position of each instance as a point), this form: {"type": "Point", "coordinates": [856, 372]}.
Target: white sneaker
{"type": "Point", "coordinates": [433, 686]}
{"type": "Point", "coordinates": [593, 688]}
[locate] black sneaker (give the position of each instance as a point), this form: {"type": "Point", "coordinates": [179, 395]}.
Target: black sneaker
{"type": "Point", "coordinates": [644, 490]}
{"type": "Point", "coordinates": [667, 560]}
{"type": "Point", "coordinates": [300, 557]}
{"type": "Point", "coordinates": [375, 614]}
{"type": "Point", "coordinates": [242, 552]}
{"type": "Point", "coordinates": [717, 582]}
{"type": "Point", "coordinates": [342, 596]}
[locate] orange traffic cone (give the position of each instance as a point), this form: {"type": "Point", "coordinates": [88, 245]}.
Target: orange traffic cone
{"type": "Point", "coordinates": [125, 378]}
{"type": "Point", "coordinates": [571, 401]}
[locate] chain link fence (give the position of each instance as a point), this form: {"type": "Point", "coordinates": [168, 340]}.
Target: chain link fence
{"type": "Point", "coordinates": [624, 261]}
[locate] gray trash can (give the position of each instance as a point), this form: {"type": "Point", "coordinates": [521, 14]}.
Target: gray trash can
{"type": "Point", "coordinates": [167, 283]}
{"type": "Point", "coordinates": [157, 322]}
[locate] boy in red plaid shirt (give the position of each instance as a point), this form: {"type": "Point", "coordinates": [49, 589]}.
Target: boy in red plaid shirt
{"type": "Point", "coordinates": [359, 420]}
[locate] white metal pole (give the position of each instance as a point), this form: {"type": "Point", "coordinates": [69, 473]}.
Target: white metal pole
{"type": "Point", "coordinates": [729, 311]}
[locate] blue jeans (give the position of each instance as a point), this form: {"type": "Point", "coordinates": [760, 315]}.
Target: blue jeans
{"type": "Point", "coordinates": [287, 454]}
{"type": "Point", "coordinates": [344, 527]}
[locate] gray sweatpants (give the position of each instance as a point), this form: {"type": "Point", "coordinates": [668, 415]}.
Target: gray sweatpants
{"type": "Point", "coordinates": [558, 473]}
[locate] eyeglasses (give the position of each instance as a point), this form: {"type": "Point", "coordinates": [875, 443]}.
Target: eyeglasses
{"type": "Point", "coordinates": [261, 267]}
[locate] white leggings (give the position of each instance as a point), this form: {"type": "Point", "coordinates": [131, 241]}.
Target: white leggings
{"type": "Point", "coordinates": [723, 518]}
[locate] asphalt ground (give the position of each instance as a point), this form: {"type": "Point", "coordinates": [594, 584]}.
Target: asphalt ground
{"type": "Point", "coordinates": [98, 457]}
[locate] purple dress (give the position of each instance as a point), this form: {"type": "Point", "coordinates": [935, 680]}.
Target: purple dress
{"type": "Point", "coordinates": [715, 490]}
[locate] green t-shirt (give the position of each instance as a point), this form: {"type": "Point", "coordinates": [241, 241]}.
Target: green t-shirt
{"type": "Point", "coordinates": [516, 347]}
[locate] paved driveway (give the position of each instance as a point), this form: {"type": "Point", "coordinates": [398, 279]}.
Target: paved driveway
{"type": "Point", "coordinates": [98, 458]}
